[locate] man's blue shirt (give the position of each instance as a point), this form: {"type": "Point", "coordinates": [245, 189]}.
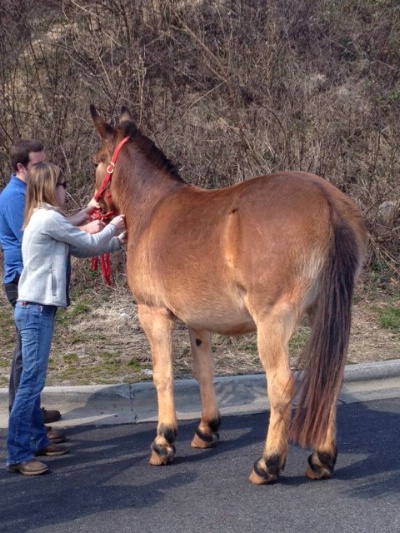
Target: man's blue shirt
{"type": "Point", "coordinates": [12, 210]}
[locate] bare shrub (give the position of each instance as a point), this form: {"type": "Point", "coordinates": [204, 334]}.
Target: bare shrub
{"type": "Point", "coordinates": [228, 89]}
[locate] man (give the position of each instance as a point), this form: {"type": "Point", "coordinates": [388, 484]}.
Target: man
{"type": "Point", "coordinates": [24, 155]}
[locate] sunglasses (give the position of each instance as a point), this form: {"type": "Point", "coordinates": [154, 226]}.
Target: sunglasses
{"type": "Point", "coordinates": [63, 184]}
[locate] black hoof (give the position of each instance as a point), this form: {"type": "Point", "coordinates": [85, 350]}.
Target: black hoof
{"type": "Point", "coordinates": [163, 448]}
{"type": "Point", "coordinates": [208, 436]}
{"type": "Point", "coordinates": [161, 454]}
{"type": "Point", "coordinates": [321, 465]}
{"type": "Point", "coordinates": [266, 472]}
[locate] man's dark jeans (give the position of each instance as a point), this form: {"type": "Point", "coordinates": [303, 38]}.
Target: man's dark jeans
{"type": "Point", "coordinates": [16, 364]}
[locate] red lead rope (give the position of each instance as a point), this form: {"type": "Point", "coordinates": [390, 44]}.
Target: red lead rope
{"type": "Point", "coordinates": [106, 217]}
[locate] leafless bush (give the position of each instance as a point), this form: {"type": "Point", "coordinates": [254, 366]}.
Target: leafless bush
{"type": "Point", "coordinates": [227, 88]}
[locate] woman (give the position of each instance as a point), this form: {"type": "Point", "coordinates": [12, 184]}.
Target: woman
{"type": "Point", "coordinates": [48, 241]}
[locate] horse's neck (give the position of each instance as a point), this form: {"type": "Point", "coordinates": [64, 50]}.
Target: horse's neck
{"type": "Point", "coordinates": [138, 196]}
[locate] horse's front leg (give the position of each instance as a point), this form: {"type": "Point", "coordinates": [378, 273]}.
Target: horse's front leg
{"type": "Point", "coordinates": [203, 368]}
{"type": "Point", "coordinates": [158, 324]}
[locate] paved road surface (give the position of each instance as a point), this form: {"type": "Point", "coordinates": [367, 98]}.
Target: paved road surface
{"type": "Point", "coordinates": [106, 485]}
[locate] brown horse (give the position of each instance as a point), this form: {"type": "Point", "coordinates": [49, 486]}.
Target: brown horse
{"type": "Point", "coordinates": [256, 256]}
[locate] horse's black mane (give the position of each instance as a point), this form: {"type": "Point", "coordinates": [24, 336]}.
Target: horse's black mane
{"type": "Point", "coordinates": [150, 150]}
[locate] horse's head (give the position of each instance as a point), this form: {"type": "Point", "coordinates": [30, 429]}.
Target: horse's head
{"type": "Point", "coordinates": [111, 137]}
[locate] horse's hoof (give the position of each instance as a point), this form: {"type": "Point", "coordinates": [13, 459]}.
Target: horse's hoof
{"type": "Point", "coordinates": [267, 471]}
{"type": "Point", "coordinates": [263, 478]}
{"type": "Point", "coordinates": [204, 440]}
{"type": "Point", "coordinates": [321, 465]}
{"type": "Point", "coordinates": [319, 473]}
{"type": "Point", "coordinates": [161, 455]}
{"type": "Point", "coordinates": [159, 460]}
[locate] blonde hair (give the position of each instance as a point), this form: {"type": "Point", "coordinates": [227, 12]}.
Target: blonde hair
{"type": "Point", "coordinates": [41, 187]}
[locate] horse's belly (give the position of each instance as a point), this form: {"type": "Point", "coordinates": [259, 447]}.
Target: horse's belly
{"type": "Point", "coordinates": [232, 329]}
{"type": "Point", "coordinates": [217, 320]}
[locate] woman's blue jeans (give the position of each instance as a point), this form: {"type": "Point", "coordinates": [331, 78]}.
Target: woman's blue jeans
{"type": "Point", "coordinates": [26, 430]}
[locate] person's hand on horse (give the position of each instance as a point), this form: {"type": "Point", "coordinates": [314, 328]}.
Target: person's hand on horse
{"type": "Point", "coordinates": [93, 227]}
{"type": "Point", "coordinates": [123, 237]}
{"type": "Point", "coordinates": [119, 222]}
{"type": "Point", "coordinates": [92, 205]}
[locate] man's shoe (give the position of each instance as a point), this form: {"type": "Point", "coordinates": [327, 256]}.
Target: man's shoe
{"type": "Point", "coordinates": [52, 450]}
{"type": "Point", "coordinates": [55, 436]}
{"type": "Point", "coordinates": [29, 468]}
{"type": "Point", "coordinates": [50, 416]}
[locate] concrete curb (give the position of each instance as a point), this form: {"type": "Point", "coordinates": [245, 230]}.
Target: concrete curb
{"type": "Point", "coordinates": [368, 371]}
{"type": "Point", "coordinates": [124, 403]}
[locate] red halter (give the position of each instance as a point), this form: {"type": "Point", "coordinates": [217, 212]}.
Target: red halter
{"type": "Point", "coordinates": [107, 180]}
{"type": "Point", "coordinates": [106, 217]}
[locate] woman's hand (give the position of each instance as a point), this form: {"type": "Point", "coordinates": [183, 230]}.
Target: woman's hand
{"type": "Point", "coordinates": [119, 223]}
{"type": "Point", "coordinates": [93, 227]}
{"type": "Point", "coordinates": [123, 237]}
{"type": "Point", "coordinates": [92, 205]}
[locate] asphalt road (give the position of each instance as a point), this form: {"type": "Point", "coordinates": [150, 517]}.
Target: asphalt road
{"type": "Point", "coordinates": [106, 484]}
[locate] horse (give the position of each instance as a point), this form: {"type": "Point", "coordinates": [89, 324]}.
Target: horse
{"type": "Point", "coordinates": [255, 256]}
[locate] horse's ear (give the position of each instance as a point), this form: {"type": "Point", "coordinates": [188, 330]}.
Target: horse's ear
{"type": "Point", "coordinates": [105, 130]}
{"type": "Point", "coordinates": [125, 115]}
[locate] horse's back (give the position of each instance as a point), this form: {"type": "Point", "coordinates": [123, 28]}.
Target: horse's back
{"type": "Point", "coordinates": [276, 218]}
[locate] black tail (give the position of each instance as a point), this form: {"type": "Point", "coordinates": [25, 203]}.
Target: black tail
{"type": "Point", "coordinates": [324, 356]}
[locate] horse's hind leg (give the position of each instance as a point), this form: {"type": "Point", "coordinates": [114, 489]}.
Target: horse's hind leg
{"type": "Point", "coordinates": [203, 368]}
{"type": "Point", "coordinates": [272, 336]}
{"type": "Point", "coordinates": [323, 459]}
{"type": "Point", "coordinates": [158, 324]}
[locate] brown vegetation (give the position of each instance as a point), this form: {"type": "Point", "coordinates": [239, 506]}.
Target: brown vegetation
{"type": "Point", "coordinates": [228, 89]}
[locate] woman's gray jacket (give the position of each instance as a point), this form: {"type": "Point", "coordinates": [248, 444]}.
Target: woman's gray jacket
{"type": "Point", "coordinates": [47, 242]}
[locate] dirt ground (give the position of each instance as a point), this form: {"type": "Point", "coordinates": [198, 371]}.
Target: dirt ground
{"type": "Point", "coordinates": [98, 340]}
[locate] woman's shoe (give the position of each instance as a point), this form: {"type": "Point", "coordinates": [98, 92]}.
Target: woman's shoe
{"type": "Point", "coordinates": [29, 468]}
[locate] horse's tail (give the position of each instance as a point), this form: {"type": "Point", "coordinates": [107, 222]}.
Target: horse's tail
{"type": "Point", "coordinates": [324, 356]}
